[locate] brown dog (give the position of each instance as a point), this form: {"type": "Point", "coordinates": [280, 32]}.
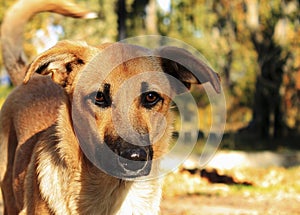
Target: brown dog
{"type": "Point", "coordinates": [72, 142]}
{"type": "Point", "coordinates": [59, 177]}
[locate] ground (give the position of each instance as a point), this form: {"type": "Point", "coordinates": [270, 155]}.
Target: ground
{"type": "Point", "coordinates": [251, 190]}
{"type": "Point", "coordinates": [225, 205]}
{"type": "Point", "coordinates": [232, 204]}
{"type": "Point", "coordinates": [273, 190]}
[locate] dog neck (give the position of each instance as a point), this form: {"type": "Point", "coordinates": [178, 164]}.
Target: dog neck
{"type": "Point", "coordinates": [92, 191]}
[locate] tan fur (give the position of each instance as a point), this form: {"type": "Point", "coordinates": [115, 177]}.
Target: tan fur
{"type": "Point", "coordinates": [46, 171]}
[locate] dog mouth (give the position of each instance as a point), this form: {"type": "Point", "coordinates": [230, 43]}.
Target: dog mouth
{"type": "Point", "coordinates": [125, 160]}
{"type": "Point", "coordinates": [136, 161]}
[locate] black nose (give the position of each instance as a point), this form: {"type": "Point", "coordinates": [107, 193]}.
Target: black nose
{"type": "Point", "coordinates": [134, 159]}
{"type": "Point", "coordinates": [128, 160]}
{"type": "Point", "coordinates": [137, 154]}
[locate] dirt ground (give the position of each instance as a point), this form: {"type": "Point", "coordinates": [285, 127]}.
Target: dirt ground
{"type": "Point", "coordinates": [269, 190]}
{"type": "Point", "coordinates": [229, 205]}
{"type": "Point", "coordinates": [272, 191]}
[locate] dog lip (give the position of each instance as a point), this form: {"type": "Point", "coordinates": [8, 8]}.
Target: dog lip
{"type": "Point", "coordinates": [141, 169]}
{"type": "Point", "coordinates": [132, 165]}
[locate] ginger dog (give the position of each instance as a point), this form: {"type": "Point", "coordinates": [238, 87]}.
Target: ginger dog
{"type": "Point", "coordinates": [88, 124]}
{"type": "Point", "coordinates": [51, 173]}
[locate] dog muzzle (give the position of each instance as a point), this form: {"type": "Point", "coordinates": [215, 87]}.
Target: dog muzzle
{"type": "Point", "coordinates": [135, 161]}
{"type": "Point", "coordinates": [125, 160]}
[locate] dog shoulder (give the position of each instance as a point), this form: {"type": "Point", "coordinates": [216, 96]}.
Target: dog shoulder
{"type": "Point", "coordinates": [52, 169]}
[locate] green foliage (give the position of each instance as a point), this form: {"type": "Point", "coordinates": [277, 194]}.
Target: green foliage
{"type": "Point", "coordinates": [226, 32]}
{"type": "Point", "coordinates": [217, 29]}
{"type": "Point", "coordinates": [97, 31]}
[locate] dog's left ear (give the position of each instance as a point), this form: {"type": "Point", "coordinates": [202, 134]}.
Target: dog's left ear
{"type": "Point", "coordinates": [185, 67]}
{"type": "Point", "coordinates": [61, 61]}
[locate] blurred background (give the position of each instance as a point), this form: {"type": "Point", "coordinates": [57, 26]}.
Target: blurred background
{"type": "Point", "coordinates": [255, 47]}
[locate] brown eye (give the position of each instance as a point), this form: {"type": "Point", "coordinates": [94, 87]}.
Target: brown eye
{"type": "Point", "coordinates": [102, 100]}
{"type": "Point", "coordinates": [99, 97]}
{"type": "Point", "coordinates": [150, 99]}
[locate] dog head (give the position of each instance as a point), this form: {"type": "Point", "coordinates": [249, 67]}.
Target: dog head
{"type": "Point", "coordinates": [120, 96]}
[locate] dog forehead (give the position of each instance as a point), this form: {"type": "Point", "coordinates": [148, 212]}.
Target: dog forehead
{"type": "Point", "coordinates": [125, 67]}
{"type": "Point", "coordinates": [133, 73]}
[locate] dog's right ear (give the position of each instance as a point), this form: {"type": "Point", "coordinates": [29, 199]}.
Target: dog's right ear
{"type": "Point", "coordinates": [62, 62]}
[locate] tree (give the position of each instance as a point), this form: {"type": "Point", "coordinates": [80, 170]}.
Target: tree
{"type": "Point", "coordinates": [270, 37]}
{"type": "Point", "coordinates": [122, 14]}
{"type": "Point", "coordinates": [96, 31]}
{"type": "Point", "coordinates": [252, 43]}
{"type": "Point", "coordinates": [137, 17]}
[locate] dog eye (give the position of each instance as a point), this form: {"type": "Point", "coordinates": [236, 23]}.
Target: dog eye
{"type": "Point", "coordinates": [101, 100]}
{"type": "Point", "coordinates": [150, 99]}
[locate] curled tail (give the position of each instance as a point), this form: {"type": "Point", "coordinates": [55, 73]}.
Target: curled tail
{"type": "Point", "coordinates": [13, 25]}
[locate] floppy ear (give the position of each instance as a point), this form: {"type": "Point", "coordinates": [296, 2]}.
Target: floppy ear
{"type": "Point", "coordinates": [62, 62]}
{"type": "Point", "coordinates": [188, 69]}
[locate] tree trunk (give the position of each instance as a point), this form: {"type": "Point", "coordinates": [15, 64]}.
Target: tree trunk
{"type": "Point", "coordinates": [267, 114]}
{"type": "Point", "coordinates": [151, 18]}
{"type": "Point", "coordinates": [122, 13]}
{"type": "Point", "coordinates": [267, 120]}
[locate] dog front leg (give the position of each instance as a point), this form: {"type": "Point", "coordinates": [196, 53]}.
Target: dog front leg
{"type": "Point", "coordinates": [34, 204]}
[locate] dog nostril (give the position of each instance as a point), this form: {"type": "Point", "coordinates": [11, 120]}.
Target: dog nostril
{"type": "Point", "coordinates": [135, 154]}
{"type": "Point", "coordinates": [133, 159]}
